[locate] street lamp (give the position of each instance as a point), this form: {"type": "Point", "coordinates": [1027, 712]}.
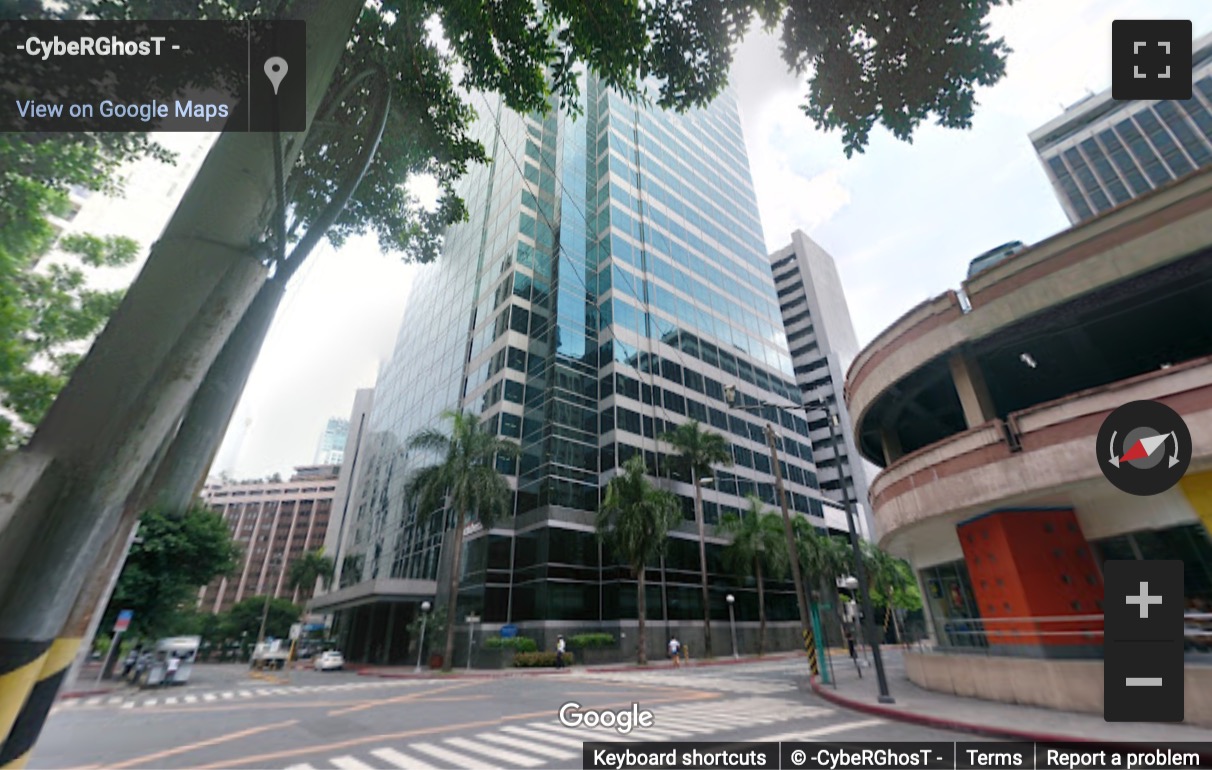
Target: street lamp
{"type": "Point", "coordinates": [832, 420]}
{"type": "Point", "coordinates": [421, 640]}
{"type": "Point", "coordinates": [732, 622]}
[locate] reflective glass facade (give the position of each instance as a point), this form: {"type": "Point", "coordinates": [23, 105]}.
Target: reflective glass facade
{"type": "Point", "coordinates": [1104, 153]}
{"type": "Point", "coordinates": [611, 281]}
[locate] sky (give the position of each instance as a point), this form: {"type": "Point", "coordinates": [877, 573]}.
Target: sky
{"type": "Point", "coordinates": [902, 220]}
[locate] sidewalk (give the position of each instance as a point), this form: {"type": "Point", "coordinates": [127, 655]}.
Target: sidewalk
{"type": "Point", "coordinates": [1002, 720]}
{"type": "Point", "coordinates": [409, 672]}
{"type": "Point", "coordinates": [86, 683]}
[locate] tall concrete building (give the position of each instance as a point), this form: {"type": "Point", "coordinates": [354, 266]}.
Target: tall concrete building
{"type": "Point", "coordinates": [611, 281]}
{"type": "Point", "coordinates": [331, 448]}
{"type": "Point", "coordinates": [274, 523]}
{"type": "Point", "coordinates": [820, 334]}
{"type": "Point", "coordinates": [1101, 153]}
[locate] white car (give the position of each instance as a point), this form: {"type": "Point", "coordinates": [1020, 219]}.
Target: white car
{"type": "Point", "coordinates": [330, 661]}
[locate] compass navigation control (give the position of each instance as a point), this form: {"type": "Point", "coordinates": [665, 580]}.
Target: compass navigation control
{"type": "Point", "coordinates": [1144, 448]}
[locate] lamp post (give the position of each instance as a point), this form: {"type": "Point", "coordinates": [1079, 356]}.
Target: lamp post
{"type": "Point", "coordinates": [859, 568]}
{"type": "Point", "coordinates": [421, 640]}
{"type": "Point", "coordinates": [732, 622]}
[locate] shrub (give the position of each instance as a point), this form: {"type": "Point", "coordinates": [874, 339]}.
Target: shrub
{"type": "Point", "coordinates": [584, 641]}
{"type": "Point", "coordinates": [517, 644]}
{"type": "Point", "coordinates": [539, 659]}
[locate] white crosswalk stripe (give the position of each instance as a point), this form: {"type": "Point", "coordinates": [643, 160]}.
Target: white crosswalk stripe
{"type": "Point", "coordinates": [821, 732]}
{"type": "Point", "coordinates": [548, 743]}
{"type": "Point", "coordinates": [501, 755]}
{"type": "Point", "coordinates": [402, 761]}
{"type": "Point", "coordinates": [454, 758]}
{"type": "Point", "coordinates": [135, 701]}
{"type": "Point", "coordinates": [531, 746]}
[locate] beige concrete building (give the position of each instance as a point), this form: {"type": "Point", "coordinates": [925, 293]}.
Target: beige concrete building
{"type": "Point", "coordinates": [274, 523]}
{"type": "Point", "coordinates": [982, 407]}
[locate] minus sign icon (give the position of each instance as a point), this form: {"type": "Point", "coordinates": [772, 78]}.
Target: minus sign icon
{"type": "Point", "coordinates": [1143, 681]}
{"type": "Point", "coordinates": [176, 48]}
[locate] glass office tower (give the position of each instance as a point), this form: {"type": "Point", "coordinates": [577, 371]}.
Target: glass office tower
{"type": "Point", "coordinates": [611, 281]}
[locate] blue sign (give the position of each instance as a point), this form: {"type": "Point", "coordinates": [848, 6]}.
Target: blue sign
{"type": "Point", "coordinates": [509, 631]}
{"type": "Point", "coordinates": [314, 627]}
{"type": "Point", "coordinates": [123, 622]}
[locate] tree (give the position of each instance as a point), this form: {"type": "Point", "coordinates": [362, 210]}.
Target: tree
{"type": "Point", "coordinates": [464, 481]}
{"type": "Point", "coordinates": [170, 559]}
{"type": "Point", "coordinates": [698, 450]}
{"type": "Point", "coordinates": [244, 618]}
{"type": "Point", "coordinates": [634, 520]}
{"type": "Point", "coordinates": [884, 62]}
{"type": "Point", "coordinates": [891, 582]}
{"type": "Point", "coordinates": [758, 545]}
{"type": "Point", "coordinates": [306, 570]}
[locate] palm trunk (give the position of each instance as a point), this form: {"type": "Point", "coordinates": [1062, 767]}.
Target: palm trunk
{"type": "Point", "coordinates": [698, 514]}
{"type": "Point", "coordinates": [641, 601]}
{"type": "Point", "coordinates": [456, 563]}
{"type": "Point", "coordinates": [757, 564]}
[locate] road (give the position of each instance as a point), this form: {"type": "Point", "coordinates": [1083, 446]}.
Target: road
{"type": "Point", "coordinates": [348, 722]}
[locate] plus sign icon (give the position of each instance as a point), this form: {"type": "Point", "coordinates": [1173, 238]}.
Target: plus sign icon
{"type": "Point", "coordinates": [1150, 59]}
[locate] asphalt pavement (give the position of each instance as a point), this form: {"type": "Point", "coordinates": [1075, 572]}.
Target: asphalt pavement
{"type": "Point", "coordinates": [310, 721]}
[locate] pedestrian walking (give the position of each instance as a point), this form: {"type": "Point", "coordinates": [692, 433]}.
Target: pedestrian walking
{"type": "Point", "coordinates": [170, 672]}
{"type": "Point", "coordinates": [560, 649]}
{"type": "Point", "coordinates": [675, 648]}
{"type": "Point", "coordinates": [128, 665]}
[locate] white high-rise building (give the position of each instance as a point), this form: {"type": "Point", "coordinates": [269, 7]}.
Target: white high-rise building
{"type": "Point", "coordinates": [820, 335]}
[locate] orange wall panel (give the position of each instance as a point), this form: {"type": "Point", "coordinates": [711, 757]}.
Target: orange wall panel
{"type": "Point", "coordinates": [1033, 564]}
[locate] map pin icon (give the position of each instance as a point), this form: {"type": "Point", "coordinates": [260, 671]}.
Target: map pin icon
{"type": "Point", "coordinates": [275, 70]}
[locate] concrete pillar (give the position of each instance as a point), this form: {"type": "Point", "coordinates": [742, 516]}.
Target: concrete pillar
{"type": "Point", "coordinates": [890, 442]}
{"type": "Point", "coordinates": [390, 633]}
{"type": "Point", "coordinates": [973, 393]}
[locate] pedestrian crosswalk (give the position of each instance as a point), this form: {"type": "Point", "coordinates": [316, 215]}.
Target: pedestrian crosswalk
{"type": "Point", "coordinates": [184, 697]}
{"type": "Point", "coordinates": [687, 679]}
{"type": "Point", "coordinates": [536, 744]}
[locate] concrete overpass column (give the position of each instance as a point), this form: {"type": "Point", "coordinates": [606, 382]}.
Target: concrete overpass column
{"type": "Point", "coordinates": [973, 393]}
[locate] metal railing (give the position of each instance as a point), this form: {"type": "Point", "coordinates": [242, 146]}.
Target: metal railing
{"type": "Point", "coordinates": [975, 632]}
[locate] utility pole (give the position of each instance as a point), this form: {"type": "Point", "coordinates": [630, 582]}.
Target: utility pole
{"type": "Point", "coordinates": [801, 598]}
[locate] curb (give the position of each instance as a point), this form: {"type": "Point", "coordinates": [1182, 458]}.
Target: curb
{"type": "Point", "coordinates": [941, 723]}
{"type": "Point", "coordinates": [87, 693]}
{"type": "Point", "coordinates": [458, 675]}
{"type": "Point", "coordinates": [693, 663]}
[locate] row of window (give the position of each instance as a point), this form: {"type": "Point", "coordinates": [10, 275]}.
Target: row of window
{"type": "Point", "coordinates": [1146, 150]}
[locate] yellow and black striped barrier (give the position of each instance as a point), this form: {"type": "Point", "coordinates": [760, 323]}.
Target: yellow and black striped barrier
{"type": "Point", "coordinates": [33, 673]}
{"type": "Point", "coordinates": [810, 648]}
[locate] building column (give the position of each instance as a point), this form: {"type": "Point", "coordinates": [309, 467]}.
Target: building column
{"type": "Point", "coordinates": [890, 442]}
{"type": "Point", "coordinates": [391, 630]}
{"type": "Point", "coordinates": [370, 631]}
{"type": "Point", "coordinates": [973, 392]}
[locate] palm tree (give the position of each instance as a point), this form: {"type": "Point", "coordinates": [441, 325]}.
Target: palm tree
{"type": "Point", "coordinates": [306, 570]}
{"type": "Point", "coordinates": [698, 450]}
{"type": "Point", "coordinates": [465, 480]}
{"type": "Point", "coordinates": [635, 519]}
{"type": "Point", "coordinates": [758, 544]}
{"type": "Point", "coordinates": [892, 580]}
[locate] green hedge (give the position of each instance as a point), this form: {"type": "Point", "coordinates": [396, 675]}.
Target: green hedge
{"type": "Point", "coordinates": [539, 659]}
{"type": "Point", "coordinates": [517, 643]}
{"type": "Point", "coordinates": [584, 641]}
